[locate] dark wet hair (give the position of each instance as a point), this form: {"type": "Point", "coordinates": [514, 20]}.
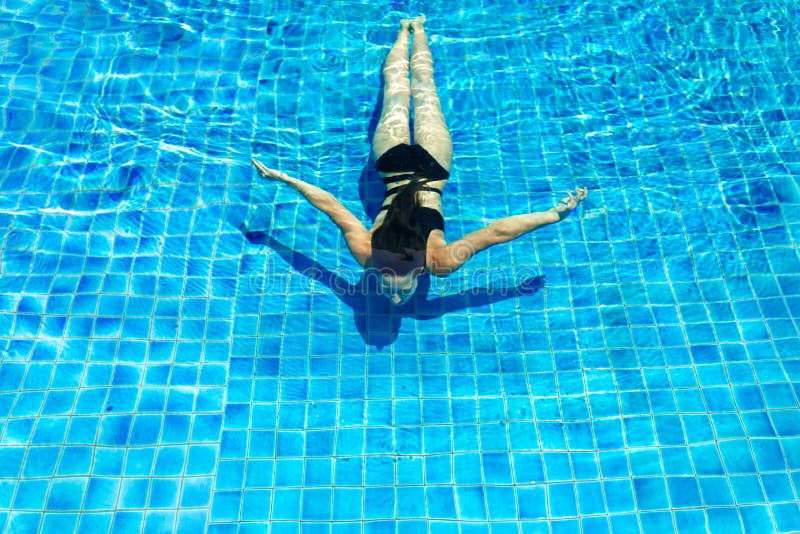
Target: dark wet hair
{"type": "Point", "coordinates": [399, 233]}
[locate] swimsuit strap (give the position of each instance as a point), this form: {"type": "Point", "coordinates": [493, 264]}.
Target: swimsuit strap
{"type": "Point", "coordinates": [389, 180]}
{"type": "Point", "coordinates": [392, 191]}
{"type": "Point", "coordinates": [393, 179]}
{"type": "Point", "coordinates": [397, 178]}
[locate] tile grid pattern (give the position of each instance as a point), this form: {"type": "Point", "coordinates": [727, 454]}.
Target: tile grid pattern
{"type": "Point", "coordinates": [651, 385]}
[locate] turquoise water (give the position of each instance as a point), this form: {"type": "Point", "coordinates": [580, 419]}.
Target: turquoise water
{"type": "Point", "coordinates": [186, 347]}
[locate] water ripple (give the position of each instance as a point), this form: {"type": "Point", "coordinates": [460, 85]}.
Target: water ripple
{"type": "Point", "coordinates": [327, 60]}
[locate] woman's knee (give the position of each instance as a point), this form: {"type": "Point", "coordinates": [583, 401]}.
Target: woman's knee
{"type": "Point", "coordinates": [395, 115]}
{"type": "Point", "coordinates": [421, 58]}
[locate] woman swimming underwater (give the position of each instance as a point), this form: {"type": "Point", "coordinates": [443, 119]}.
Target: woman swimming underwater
{"type": "Point", "coordinates": [407, 236]}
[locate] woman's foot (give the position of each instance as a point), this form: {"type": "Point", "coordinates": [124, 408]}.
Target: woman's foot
{"type": "Point", "coordinates": [415, 24]}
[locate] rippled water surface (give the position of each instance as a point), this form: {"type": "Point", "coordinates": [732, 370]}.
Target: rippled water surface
{"type": "Point", "coordinates": [184, 346]}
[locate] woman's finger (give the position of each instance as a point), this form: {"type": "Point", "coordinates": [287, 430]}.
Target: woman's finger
{"type": "Point", "coordinates": [263, 170]}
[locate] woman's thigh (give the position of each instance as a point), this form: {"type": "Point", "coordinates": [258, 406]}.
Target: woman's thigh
{"type": "Point", "coordinates": [430, 128]}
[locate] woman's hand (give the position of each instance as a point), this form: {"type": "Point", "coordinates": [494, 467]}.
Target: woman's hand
{"type": "Point", "coordinates": [269, 174]}
{"type": "Point", "coordinates": [570, 202]}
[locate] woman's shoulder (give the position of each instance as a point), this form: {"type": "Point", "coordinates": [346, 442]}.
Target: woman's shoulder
{"type": "Point", "coordinates": [436, 254]}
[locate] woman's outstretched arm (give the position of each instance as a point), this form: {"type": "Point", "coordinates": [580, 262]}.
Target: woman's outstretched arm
{"type": "Point", "coordinates": [355, 234]}
{"type": "Point", "coordinates": [452, 256]}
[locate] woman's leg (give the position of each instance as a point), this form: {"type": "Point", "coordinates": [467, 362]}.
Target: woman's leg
{"type": "Point", "coordinates": [392, 127]}
{"type": "Point", "coordinates": [430, 129]}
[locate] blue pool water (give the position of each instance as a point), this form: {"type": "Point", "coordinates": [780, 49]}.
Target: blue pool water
{"type": "Point", "coordinates": [181, 347]}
